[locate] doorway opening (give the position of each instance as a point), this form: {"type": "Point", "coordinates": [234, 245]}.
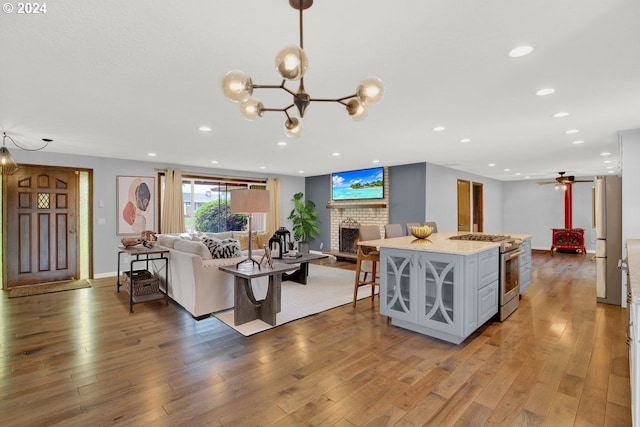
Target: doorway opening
{"type": "Point", "coordinates": [470, 206]}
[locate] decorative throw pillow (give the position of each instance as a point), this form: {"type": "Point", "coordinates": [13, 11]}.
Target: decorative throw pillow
{"type": "Point", "coordinates": [226, 248]}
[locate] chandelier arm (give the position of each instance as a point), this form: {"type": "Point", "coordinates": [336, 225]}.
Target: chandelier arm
{"type": "Point", "coordinates": [280, 86]}
{"type": "Point", "coordinates": [340, 100]}
{"type": "Point", "coordinates": [284, 110]}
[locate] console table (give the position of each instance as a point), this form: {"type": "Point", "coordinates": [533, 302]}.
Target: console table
{"type": "Point", "coordinates": [571, 239]}
{"type": "Point", "coordinates": [246, 306]}
{"type": "Point", "coordinates": [159, 254]}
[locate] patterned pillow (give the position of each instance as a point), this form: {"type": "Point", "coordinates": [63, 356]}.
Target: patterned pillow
{"type": "Point", "coordinates": [226, 248]}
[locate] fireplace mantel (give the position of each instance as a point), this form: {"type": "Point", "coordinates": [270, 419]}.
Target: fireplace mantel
{"type": "Point", "coordinates": [372, 205]}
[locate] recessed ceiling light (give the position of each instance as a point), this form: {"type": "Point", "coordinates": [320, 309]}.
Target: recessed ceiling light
{"type": "Point", "coordinates": [570, 131]}
{"type": "Point", "coordinates": [438, 128]}
{"type": "Point", "coordinates": [300, 171]}
{"type": "Point", "coordinates": [151, 154]}
{"type": "Point", "coordinates": [263, 167]}
{"type": "Point", "coordinates": [609, 167]}
{"type": "Point", "coordinates": [204, 129]}
{"type": "Point", "coordinates": [611, 172]}
{"type": "Point", "coordinates": [335, 154]}
{"type": "Point", "coordinates": [282, 143]}
{"type": "Point", "coordinates": [607, 161]}
{"type": "Point", "coordinates": [578, 142]}
{"type": "Point", "coordinates": [520, 51]}
{"type": "Point", "coordinates": [463, 140]}
{"type": "Point", "coordinates": [560, 114]}
{"type": "Point", "coordinates": [545, 91]}
{"type": "Point", "coordinates": [605, 154]}
{"type": "Point", "coordinates": [527, 177]}
{"type": "Point", "coordinates": [375, 161]}
{"type": "Point", "coordinates": [491, 165]}
{"type": "Point", "coordinates": [518, 174]}
{"type": "Point", "coordinates": [507, 170]}
{"type": "Point", "coordinates": [215, 162]}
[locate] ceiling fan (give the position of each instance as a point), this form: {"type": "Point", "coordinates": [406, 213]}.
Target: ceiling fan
{"type": "Point", "coordinates": [563, 180]}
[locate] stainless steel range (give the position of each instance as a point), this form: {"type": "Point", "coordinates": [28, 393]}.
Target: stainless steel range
{"type": "Point", "coordinates": [509, 295]}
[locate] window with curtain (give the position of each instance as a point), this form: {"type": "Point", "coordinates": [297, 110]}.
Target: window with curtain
{"type": "Point", "coordinates": [207, 204]}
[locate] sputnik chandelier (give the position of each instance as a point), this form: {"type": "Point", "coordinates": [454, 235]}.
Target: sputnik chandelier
{"type": "Point", "coordinates": [291, 62]}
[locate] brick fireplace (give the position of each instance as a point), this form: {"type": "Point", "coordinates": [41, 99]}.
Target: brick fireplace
{"type": "Point", "coordinates": [360, 212]}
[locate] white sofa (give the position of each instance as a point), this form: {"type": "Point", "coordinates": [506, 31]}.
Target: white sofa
{"type": "Point", "coordinates": [195, 282]}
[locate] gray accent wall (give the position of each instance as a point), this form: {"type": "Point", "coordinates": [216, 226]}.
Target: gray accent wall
{"type": "Point", "coordinates": [407, 193]}
{"type": "Point", "coordinates": [318, 189]}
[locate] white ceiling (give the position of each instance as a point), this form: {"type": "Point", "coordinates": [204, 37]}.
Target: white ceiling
{"type": "Point", "coordinates": [122, 78]}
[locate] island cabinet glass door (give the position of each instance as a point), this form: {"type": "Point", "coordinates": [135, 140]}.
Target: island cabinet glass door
{"type": "Point", "coordinates": [440, 283]}
{"type": "Point", "coordinates": [398, 298]}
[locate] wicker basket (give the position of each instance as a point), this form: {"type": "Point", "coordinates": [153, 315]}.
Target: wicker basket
{"type": "Point", "coordinates": [144, 282]}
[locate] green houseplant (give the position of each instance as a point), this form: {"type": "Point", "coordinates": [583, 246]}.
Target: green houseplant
{"type": "Point", "coordinates": [304, 217]}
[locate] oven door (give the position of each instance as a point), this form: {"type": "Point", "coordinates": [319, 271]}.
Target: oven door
{"type": "Point", "coordinates": [509, 276]}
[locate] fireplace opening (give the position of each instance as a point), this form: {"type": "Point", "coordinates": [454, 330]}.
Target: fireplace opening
{"type": "Point", "coordinates": [349, 234]}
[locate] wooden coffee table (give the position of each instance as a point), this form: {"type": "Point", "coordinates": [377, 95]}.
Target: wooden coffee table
{"type": "Point", "coordinates": [300, 275]}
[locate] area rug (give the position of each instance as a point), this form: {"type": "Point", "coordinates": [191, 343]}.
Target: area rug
{"type": "Point", "coordinates": [326, 288]}
{"type": "Point", "coordinates": [47, 288]}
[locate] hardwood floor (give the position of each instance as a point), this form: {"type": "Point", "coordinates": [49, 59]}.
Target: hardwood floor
{"type": "Point", "coordinates": [77, 358]}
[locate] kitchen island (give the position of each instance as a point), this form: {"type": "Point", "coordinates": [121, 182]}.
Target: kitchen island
{"type": "Point", "coordinates": [439, 287]}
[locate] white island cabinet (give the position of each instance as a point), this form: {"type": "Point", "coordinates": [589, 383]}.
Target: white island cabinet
{"type": "Point", "coordinates": [442, 295]}
{"type": "Point", "coordinates": [525, 265]}
{"type": "Point", "coordinates": [438, 287]}
{"type": "Point", "coordinates": [633, 331]}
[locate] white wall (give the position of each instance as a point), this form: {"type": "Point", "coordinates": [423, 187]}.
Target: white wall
{"type": "Point", "coordinates": [535, 209]}
{"type": "Point", "coordinates": [442, 198]}
{"type": "Point", "coordinates": [630, 164]}
{"type": "Point", "coordinates": [105, 170]}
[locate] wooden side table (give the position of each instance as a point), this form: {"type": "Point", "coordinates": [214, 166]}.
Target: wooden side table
{"type": "Point", "coordinates": [148, 255]}
{"type": "Point", "coordinates": [246, 306]}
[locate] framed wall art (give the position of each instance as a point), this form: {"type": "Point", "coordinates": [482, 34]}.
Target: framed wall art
{"type": "Point", "coordinates": [135, 196]}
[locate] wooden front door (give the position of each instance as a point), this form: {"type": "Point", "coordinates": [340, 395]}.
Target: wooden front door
{"type": "Point", "coordinates": [464, 205]}
{"type": "Point", "coordinates": [41, 225]}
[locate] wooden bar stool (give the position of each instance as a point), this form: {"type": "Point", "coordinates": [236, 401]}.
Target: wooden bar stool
{"type": "Point", "coordinates": [367, 255]}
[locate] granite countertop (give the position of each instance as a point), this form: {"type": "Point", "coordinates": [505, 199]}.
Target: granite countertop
{"type": "Point", "coordinates": [439, 242]}
{"type": "Point", "coordinates": [633, 264]}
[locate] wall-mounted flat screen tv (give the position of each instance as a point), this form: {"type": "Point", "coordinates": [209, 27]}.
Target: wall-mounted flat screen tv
{"type": "Point", "coordinates": [358, 184]}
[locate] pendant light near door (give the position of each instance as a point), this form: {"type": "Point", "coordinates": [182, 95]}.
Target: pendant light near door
{"type": "Point", "coordinates": [8, 166]}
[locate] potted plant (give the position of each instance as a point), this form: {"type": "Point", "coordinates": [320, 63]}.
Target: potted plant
{"type": "Point", "coordinates": [304, 218]}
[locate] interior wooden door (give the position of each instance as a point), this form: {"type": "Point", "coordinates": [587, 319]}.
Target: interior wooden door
{"type": "Point", "coordinates": [41, 206]}
{"type": "Point", "coordinates": [464, 205]}
{"type": "Point", "coordinates": [478, 207]}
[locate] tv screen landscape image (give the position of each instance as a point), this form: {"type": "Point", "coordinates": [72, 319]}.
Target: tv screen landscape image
{"type": "Point", "coordinates": [358, 184]}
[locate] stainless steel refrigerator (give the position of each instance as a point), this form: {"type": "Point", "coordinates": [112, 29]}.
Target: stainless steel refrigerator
{"type": "Point", "coordinates": [608, 224]}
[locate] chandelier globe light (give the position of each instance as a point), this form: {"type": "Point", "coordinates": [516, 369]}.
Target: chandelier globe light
{"type": "Point", "coordinates": [292, 63]}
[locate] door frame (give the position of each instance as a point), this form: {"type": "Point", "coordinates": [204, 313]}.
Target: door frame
{"type": "Point", "coordinates": [84, 213]}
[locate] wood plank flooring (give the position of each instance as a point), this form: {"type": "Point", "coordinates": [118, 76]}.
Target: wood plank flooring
{"type": "Point", "coordinates": [77, 358]}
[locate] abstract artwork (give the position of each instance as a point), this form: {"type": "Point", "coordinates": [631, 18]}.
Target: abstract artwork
{"type": "Point", "coordinates": [135, 204]}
